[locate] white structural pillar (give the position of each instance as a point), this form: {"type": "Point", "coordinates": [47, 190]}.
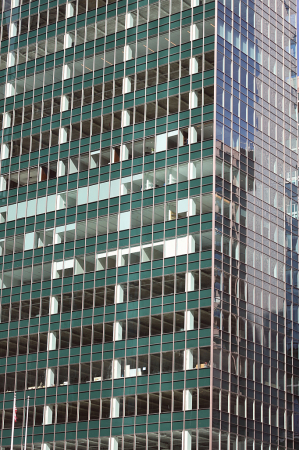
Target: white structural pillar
{"type": "Point", "coordinates": [53, 306]}
{"type": "Point", "coordinates": [66, 72]}
{"type": "Point", "coordinates": [193, 66]}
{"type": "Point", "coordinates": [180, 139]}
{"type": "Point", "coordinates": [48, 415]}
{"type": "Point", "coordinates": [11, 59]}
{"type": "Point", "coordinates": [45, 447]}
{"type": "Point", "coordinates": [129, 20]}
{"type": "Point", "coordinates": [69, 10]}
{"type": "Point", "coordinates": [193, 100]}
{"type": "Point", "coordinates": [192, 209]}
{"type": "Point", "coordinates": [188, 359]}
{"type": "Point", "coordinates": [119, 294]}
{"type": "Point", "coordinates": [113, 443]}
{"type": "Point", "coordinates": [68, 41]}
{"type": "Point", "coordinates": [187, 400]}
{"type": "Point", "coordinates": [65, 103]}
{"type": "Point", "coordinates": [62, 168]}
{"type": "Point", "coordinates": [127, 85]}
{"type": "Point", "coordinates": [118, 331]}
{"type": "Point", "coordinates": [13, 30]}
{"type": "Point", "coordinates": [4, 151]}
{"type": "Point", "coordinates": [192, 171]}
{"type": "Point", "coordinates": [6, 120]}
{"type": "Point", "coordinates": [125, 118]}
{"type": "Point", "coordinates": [189, 320]}
{"type": "Point", "coordinates": [124, 153]}
{"type": "Point", "coordinates": [15, 3]}
{"type": "Point", "coordinates": [51, 341]}
{"type": "Point", "coordinates": [3, 184]}
{"type": "Point", "coordinates": [194, 3]}
{"type": "Point", "coordinates": [116, 368]}
{"type": "Point", "coordinates": [128, 54]}
{"type": "Point", "coordinates": [189, 282]}
{"type": "Point", "coordinates": [186, 440]}
{"type": "Point", "coordinates": [9, 90]}
{"type": "Point", "coordinates": [192, 135]}
{"type": "Point", "coordinates": [62, 135]}
{"type": "Point", "coordinates": [50, 377]}
{"type": "Point", "coordinates": [194, 33]}
{"type": "Point", "coordinates": [95, 159]}
{"type": "Point", "coordinates": [114, 407]}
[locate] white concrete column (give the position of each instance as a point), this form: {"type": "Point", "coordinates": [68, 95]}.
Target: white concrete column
{"type": "Point", "coordinates": [129, 20]}
{"type": "Point", "coordinates": [193, 100]}
{"type": "Point", "coordinates": [189, 282]}
{"type": "Point", "coordinates": [113, 443]}
{"type": "Point", "coordinates": [65, 103]}
{"type": "Point", "coordinates": [128, 54]}
{"type": "Point", "coordinates": [114, 407]}
{"type": "Point", "coordinates": [62, 135]}
{"type": "Point", "coordinates": [48, 415]}
{"type": "Point", "coordinates": [118, 331]}
{"type": "Point", "coordinates": [73, 167]}
{"type": "Point", "coordinates": [188, 359]}
{"type": "Point", "coordinates": [51, 341]}
{"type": "Point", "coordinates": [6, 120]}
{"type": "Point", "coordinates": [192, 135]}
{"type": "Point", "coordinates": [45, 447]}
{"type": "Point", "coordinates": [15, 3]}
{"type": "Point", "coordinates": [171, 215]}
{"type": "Point", "coordinates": [119, 294]}
{"type": "Point", "coordinates": [192, 171]}
{"type": "Point", "coordinates": [13, 30]}
{"type": "Point", "coordinates": [127, 85]}
{"type": "Point", "coordinates": [123, 190]}
{"type": "Point", "coordinates": [128, 370]}
{"type": "Point", "coordinates": [194, 33]}
{"type": "Point", "coordinates": [187, 400]}
{"type": "Point", "coordinates": [192, 208]}
{"type": "Point", "coordinates": [9, 90]}
{"type": "Point", "coordinates": [3, 184]}
{"type": "Point", "coordinates": [66, 72]}
{"type": "Point", "coordinates": [68, 41]}
{"type": "Point", "coordinates": [69, 10]}
{"type": "Point", "coordinates": [191, 244]}
{"type": "Point", "coordinates": [94, 159]}
{"type": "Point", "coordinates": [4, 151]}
{"type": "Point", "coordinates": [120, 257]}
{"type": "Point", "coordinates": [11, 59]}
{"type": "Point", "coordinates": [50, 377]}
{"type": "Point", "coordinates": [61, 168]}
{"type": "Point", "coordinates": [125, 118]}
{"type": "Point", "coordinates": [180, 138]}
{"type": "Point", "coordinates": [189, 321]}
{"type": "Point", "coordinates": [186, 440]}
{"type": "Point", "coordinates": [193, 66]}
{"type": "Point", "coordinates": [124, 152]}
{"type": "Point", "coordinates": [194, 3]}
{"type": "Point", "coordinates": [116, 368]}
{"type": "Point", "coordinates": [53, 305]}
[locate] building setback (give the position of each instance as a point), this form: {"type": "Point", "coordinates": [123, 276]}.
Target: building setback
{"type": "Point", "coordinates": [149, 225]}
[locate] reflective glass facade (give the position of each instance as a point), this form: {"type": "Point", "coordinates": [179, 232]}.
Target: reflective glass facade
{"type": "Point", "coordinates": [148, 225]}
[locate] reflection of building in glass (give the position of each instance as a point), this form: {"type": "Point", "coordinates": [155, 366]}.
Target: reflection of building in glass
{"type": "Point", "coordinates": [149, 225]}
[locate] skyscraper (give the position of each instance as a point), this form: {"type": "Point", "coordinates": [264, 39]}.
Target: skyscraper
{"type": "Point", "coordinates": [148, 225]}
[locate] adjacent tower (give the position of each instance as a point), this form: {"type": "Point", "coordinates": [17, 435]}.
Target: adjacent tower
{"type": "Point", "coordinates": [148, 225]}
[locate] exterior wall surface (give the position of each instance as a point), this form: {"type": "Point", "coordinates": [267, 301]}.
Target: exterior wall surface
{"type": "Point", "coordinates": [148, 225]}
